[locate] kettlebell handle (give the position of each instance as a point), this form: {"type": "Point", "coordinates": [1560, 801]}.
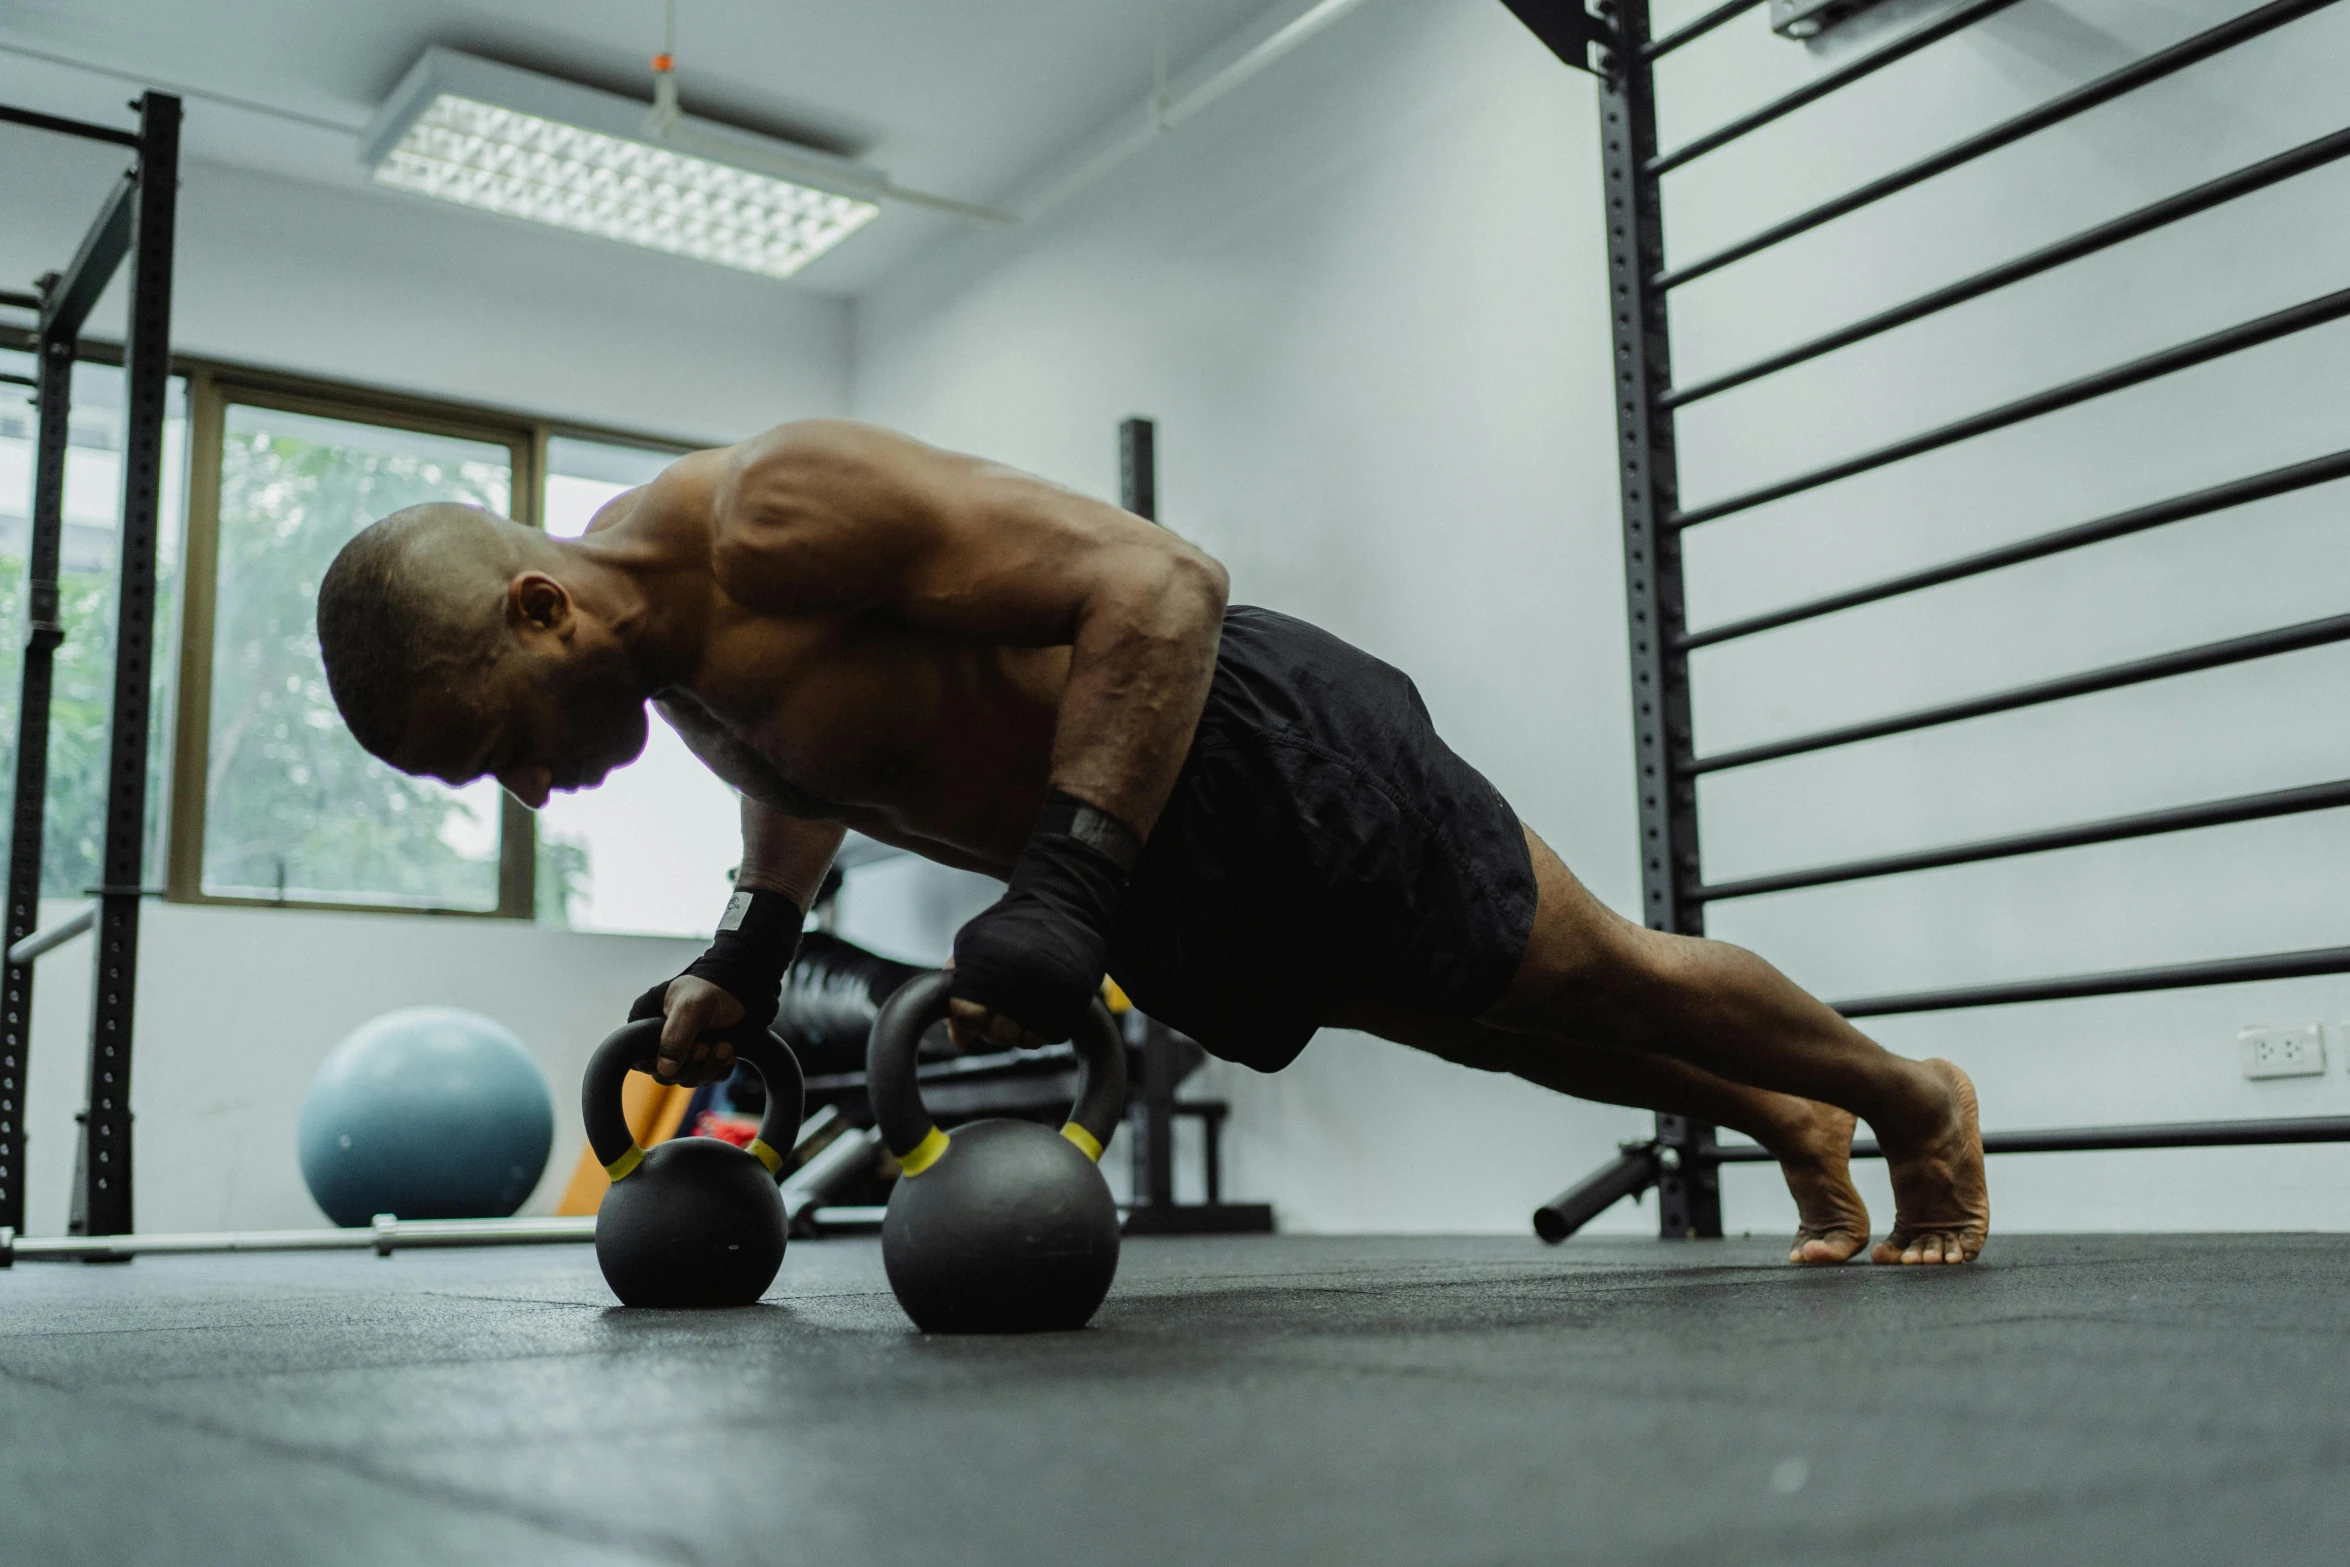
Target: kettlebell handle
{"type": "Point", "coordinates": [635, 1045]}
{"type": "Point", "coordinates": [897, 1097]}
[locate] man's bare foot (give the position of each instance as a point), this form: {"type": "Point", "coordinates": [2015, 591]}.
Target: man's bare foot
{"type": "Point", "coordinates": [1816, 1159]}
{"type": "Point", "coordinates": [1942, 1206]}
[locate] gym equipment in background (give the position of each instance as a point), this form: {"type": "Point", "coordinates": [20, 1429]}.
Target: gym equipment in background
{"type": "Point", "coordinates": [1006, 1226]}
{"type": "Point", "coordinates": [136, 221]}
{"type": "Point", "coordinates": [425, 1113]}
{"type": "Point", "coordinates": [693, 1221]}
{"type": "Point", "coordinates": [1165, 1056]}
{"type": "Point", "coordinates": [1682, 1161]}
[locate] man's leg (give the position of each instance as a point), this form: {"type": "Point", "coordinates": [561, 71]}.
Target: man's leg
{"type": "Point", "coordinates": [1812, 1141]}
{"type": "Point", "coordinates": [1593, 977]}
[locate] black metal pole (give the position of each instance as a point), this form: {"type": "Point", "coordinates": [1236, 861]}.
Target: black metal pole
{"type": "Point", "coordinates": [2145, 220]}
{"type": "Point", "coordinates": [65, 127]}
{"type": "Point", "coordinates": [1138, 467]}
{"type": "Point", "coordinates": [1633, 1171]}
{"type": "Point", "coordinates": [2117, 982]}
{"type": "Point", "coordinates": [2115, 525]}
{"type": "Point", "coordinates": [1690, 32]}
{"type": "Point", "coordinates": [2097, 1139]}
{"type": "Point", "coordinates": [2178, 57]}
{"type": "Point", "coordinates": [2112, 829]}
{"type": "Point", "coordinates": [42, 634]}
{"type": "Point", "coordinates": [1820, 87]}
{"type": "Point", "coordinates": [2169, 361]}
{"type": "Point", "coordinates": [1154, 1146]}
{"type": "Point", "coordinates": [1689, 1195]}
{"type": "Point", "coordinates": [2137, 671]}
{"type": "Point", "coordinates": [103, 1195]}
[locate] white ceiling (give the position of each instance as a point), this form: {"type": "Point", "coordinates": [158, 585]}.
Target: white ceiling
{"type": "Point", "coordinates": [967, 98]}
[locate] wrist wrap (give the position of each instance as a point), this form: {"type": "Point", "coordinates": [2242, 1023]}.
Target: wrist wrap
{"type": "Point", "coordinates": [757, 936]}
{"type": "Point", "coordinates": [1037, 954]}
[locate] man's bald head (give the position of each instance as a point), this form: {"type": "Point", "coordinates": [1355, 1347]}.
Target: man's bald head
{"type": "Point", "coordinates": [417, 599]}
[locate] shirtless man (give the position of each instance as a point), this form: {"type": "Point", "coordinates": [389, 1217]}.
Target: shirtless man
{"type": "Point", "coordinates": [1250, 823]}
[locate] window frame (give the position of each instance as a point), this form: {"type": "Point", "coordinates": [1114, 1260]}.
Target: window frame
{"type": "Point", "coordinates": [212, 388]}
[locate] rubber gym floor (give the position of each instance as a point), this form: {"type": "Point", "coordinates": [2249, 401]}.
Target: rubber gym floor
{"type": "Point", "coordinates": [1291, 1400]}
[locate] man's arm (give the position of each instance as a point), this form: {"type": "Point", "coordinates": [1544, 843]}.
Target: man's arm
{"type": "Point", "coordinates": [784, 855]}
{"type": "Point", "coordinates": [830, 517]}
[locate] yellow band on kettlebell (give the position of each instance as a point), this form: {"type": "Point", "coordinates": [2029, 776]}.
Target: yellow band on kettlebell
{"type": "Point", "coordinates": [925, 1154]}
{"type": "Point", "coordinates": [767, 1156]}
{"type": "Point", "coordinates": [626, 1162]}
{"type": "Point", "coordinates": [1086, 1142]}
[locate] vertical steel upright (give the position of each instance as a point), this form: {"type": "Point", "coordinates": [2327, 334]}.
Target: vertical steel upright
{"type": "Point", "coordinates": [102, 1188]}
{"type": "Point", "coordinates": [35, 681]}
{"type": "Point", "coordinates": [1688, 1185]}
{"type": "Point", "coordinates": [1154, 1118]}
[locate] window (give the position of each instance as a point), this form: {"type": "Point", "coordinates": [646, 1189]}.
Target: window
{"type": "Point", "coordinates": [267, 798]}
{"type": "Point", "coordinates": [277, 802]}
{"type": "Point", "coordinates": [84, 670]}
{"type": "Point", "coordinates": [654, 849]}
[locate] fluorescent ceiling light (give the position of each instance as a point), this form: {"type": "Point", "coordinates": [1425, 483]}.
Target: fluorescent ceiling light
{"type": "Point", "coordinates": [479, 155]}
{"type": "Point", "coordinates": [529, 146]}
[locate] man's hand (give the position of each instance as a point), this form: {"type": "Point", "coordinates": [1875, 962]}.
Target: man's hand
{"type": "Point", "coordinates": [688, 1007]}
{"type": "Point", "coordinates": [971, 1025]}
{"type": "Point", "coordinates": [1031, 963]}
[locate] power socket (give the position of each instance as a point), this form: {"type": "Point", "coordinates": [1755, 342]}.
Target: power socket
{"type": "Point", "coordinates": [2295, 1051]}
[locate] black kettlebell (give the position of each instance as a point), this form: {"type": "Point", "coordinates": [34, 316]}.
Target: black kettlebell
{"type": "Point", "coordinates": [694, 1221]}
{"type": "Point", "coordinates": [1006, 1226]}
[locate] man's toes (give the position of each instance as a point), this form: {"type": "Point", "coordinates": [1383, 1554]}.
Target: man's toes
{"type": "Point", "coordinates": [1835, 1246]}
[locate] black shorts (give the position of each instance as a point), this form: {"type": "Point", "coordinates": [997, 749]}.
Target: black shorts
{"type": "Point", "coordinates": [1322, 845]}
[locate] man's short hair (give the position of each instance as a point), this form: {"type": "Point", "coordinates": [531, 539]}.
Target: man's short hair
{"type": "Point", "coordinates": [394, 608]}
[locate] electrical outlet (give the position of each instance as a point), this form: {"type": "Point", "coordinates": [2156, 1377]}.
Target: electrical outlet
{"type": "Point", "coordinates": [2296, 1051]}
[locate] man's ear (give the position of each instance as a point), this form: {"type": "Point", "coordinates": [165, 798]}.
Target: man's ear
{"type": "Point", "coordinates": [537, 602]}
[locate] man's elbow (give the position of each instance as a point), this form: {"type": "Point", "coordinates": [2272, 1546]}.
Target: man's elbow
{"type": "Point", "coordinates": [1197, 580]}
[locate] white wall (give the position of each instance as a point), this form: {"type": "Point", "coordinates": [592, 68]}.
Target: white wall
{"type": "Point", "coordinates": [1365, 299]}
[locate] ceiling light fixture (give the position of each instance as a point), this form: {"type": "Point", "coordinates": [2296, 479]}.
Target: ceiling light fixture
{"type": "Point", "coordinates": [510, 141]}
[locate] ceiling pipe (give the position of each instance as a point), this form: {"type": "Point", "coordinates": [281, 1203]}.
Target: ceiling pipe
{"type": "Point", "coordinates": [1163, 113]}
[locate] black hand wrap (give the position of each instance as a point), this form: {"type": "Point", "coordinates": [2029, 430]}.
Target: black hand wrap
{"type": "Point", "coordinates": [1037, 954]}
{"type": "Point", "coordinates": [747, 958]}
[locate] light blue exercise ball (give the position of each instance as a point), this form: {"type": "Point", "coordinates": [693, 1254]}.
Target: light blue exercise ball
{"type": "Point", "coordinates": [427, 1113]}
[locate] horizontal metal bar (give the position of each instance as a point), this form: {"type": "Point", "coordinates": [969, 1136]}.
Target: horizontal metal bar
{"type": "Point", "coordinates": [2089, 95]}
{"type": "Point", "coordinates": [66, 127]}
{"type": "Point", "coordinates": [1689, 33]}
{"type": "Point", "coordinates": [41, 941]}
{"type": "Point", "coordinates": [385, 1236]}
{"type": "Point", "coordinates": [14, 379]}
{"type": "Point", "coordinates": [2113, 829]}
{"type": "Point", "coordinates": [2162, 666]}
{"type": "Point", "coordinates": [1042, 1061]}
{"type": "Point", "coordinates": [2090, 1139]}
{"type": "Point", "coordinates": [93, 266]}
{"type": "Point", "coordinates": [2132, 225]}
{"type": "Point", "coordinates": [1811, 92]}
{"type": "Point", "coordinates": [1632, 1171]}
{"type": "Point", "coordinates": [2169, 361]}
{"type": "Point", "coordinates": [2220, 497]}
{"type": "Point", "coordinates": [19, 301]}
{"type": "Point", "coordinates": [2119, 982]}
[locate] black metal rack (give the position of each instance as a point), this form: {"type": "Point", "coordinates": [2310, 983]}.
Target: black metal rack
{"type": "Point", "coordinates": [135, 222]}
{"type": "Point", "coordinates": [1619, 48]}
{"type": "Point", "coordinates": [1166, 1056]}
